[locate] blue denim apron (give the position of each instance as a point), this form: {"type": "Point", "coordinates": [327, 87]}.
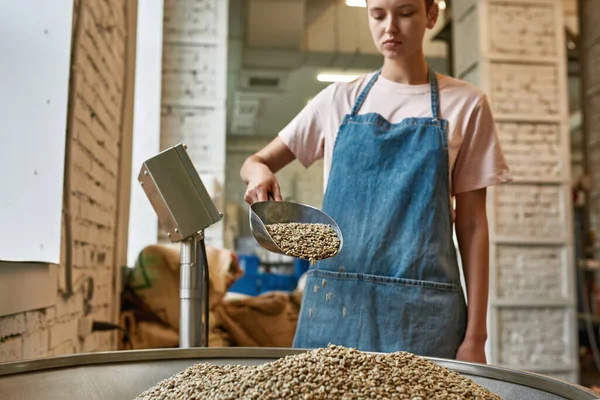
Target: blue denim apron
{"type": "Point", "coordinates": [395, 286]}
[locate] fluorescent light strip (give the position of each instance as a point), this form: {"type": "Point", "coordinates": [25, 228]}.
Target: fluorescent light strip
{"type": "Point", "coordinates": [356, 3]}
{"type": "Point", "coordinates": [336, 77]}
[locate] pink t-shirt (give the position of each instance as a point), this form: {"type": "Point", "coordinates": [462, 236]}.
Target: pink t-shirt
{"type": "Point", "coordinates": [475, 155]}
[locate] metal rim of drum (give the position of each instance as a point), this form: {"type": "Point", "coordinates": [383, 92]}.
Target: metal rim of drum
{"type": "Point", "coordinates": [540, 382]}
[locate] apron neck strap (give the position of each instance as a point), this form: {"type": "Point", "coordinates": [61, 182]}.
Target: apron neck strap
{"type": "Point", "coordinates": [435, 94]}
{"type": "Point", "coordinates": [364, 93]}
{"type": "Point", "coordinates": [433, 83]}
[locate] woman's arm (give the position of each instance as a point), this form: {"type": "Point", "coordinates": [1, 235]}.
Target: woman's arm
{"type": "Point", "coordinates": [258, 171]}
{"type": "Point", "coordinates": [473, 241]}
{"type": "Point", "coordinates": [303, 139]}
{"type": "Point", "coordinates": [275, 156]}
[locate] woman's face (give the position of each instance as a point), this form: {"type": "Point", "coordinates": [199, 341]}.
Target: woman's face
{"type": "Point", "coordinates": [398, 26]}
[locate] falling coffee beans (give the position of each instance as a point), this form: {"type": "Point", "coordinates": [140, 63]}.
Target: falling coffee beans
{"type": "Point", "coordinates": [305, 241]}
{"type": "Point", "coordinates": [337, 373]}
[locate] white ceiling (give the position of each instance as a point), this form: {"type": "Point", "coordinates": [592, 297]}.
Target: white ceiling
{"type": "Point", "coordinates": [276, 24]}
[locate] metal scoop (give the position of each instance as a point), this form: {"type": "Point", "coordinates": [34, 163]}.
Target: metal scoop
{"type": "Point", "coordinates": [271, 212]}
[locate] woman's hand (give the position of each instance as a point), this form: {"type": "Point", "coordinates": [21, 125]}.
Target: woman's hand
{"type": "Point", "coordinates": [262, 185]}
{"type": "Point", "coordinates": [258, 172]}
{"type": "Point", "coordinates": [472, 351]}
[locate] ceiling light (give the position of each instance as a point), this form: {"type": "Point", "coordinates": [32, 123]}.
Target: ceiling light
{"type": "Point", "coordinates": [442, 5]}
{"type": "Point", "coordinates": [336, 77]}
{"type": "Point", "coordinates": [356, 3]}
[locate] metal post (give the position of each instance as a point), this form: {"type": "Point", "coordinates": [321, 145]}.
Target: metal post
{"type": "Point", "coordinates": [189, 294]}
{"type": "Point", "coordinates": [203, 272]}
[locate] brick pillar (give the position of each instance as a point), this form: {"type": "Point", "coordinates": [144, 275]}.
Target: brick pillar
{"type": "Point", "coordinates": [194, 88]}
{"type": "Point", "coordinates": [514, 51]}
{"type": "Point", "coordinates": [590, 55]}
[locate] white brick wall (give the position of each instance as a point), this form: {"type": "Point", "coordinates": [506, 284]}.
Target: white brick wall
{"type": "Point", "coordinates": [530, 90]}
{"type": "Point", "coordinates": [514, 33]}
{"type": "Point", "coordinates": [63, 349]}
{"type": "Point", "coordinates": [194, 92]}
{"type": "Point", "coordinates": [11, 349]}
{"type": "Point", "coordinates": [531, 150]}
{"type": "Point", "coordinates": [530, 272]}
{"type": "Point", "coordinates": [64, 331]}
{"type": "Point", "coordinates": [12, 325]}
{"type": "Point", "coordinates": [36, 338]}
{"type": "Point", "coordinates": [72, 307]}
{"type": "Point", "coordinates": [189, 73]}
{"type": "Point", "coordinates": [191, 20]}
{"type": "Point", "coordinates": [35, 320]}
{"type": "Point", "coordinates": [195, 127]}
{"type": "Point", "coordinates": [98, 72]}
{"type": "Point", "coordinates": [27, 335]}
{"type": "Point", "coordinates": [529, 211]}
{"type": "Point", "coordinates": [533, 337]}
{"type": "Point", "coordinates": [521, 68]}
{"type": "Point", "coordinates": [36, 344]}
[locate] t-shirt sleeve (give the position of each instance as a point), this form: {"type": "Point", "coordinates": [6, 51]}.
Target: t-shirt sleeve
{"type": "Point", "coordinates": [305, 134]}
{"type": "Point", "coordinates": [480, 161]}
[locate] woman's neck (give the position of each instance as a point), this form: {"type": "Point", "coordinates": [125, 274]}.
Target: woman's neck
{"type": "Point", "coordinates": [409, 71]}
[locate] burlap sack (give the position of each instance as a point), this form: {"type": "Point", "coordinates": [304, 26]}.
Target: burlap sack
{"type": "Point", "coordinates": [268, 320]}
{"type": "Point", "coordinates": [155, 282]}
{"type": "Point", "coordinates": [153, 335]}
{"type": "Point", "coordinates": [147, 334]}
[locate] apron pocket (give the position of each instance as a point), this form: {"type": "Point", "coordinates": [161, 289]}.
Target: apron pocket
{"type": "Point", "coordinates": [383, 279]}
{"type": "Point", "coordinates": [381, 314]}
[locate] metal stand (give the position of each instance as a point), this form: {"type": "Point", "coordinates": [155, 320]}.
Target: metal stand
{"type": "Point", "coordinates": [194, 288]}
{"type": "Point", "coordinates": [185, 209]}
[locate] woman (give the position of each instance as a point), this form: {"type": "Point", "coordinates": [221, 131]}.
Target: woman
{"type": "Point", "coordinates": [399, 145]}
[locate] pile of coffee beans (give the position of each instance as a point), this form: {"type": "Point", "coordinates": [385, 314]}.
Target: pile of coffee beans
{"type": "Point", "coordinates": [330, 373]}
{"type": "Point", "coordinates": [305, 241]}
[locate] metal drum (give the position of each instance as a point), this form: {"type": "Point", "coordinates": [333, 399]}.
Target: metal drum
{"type": "Point", "coordinates": [126, 374]}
